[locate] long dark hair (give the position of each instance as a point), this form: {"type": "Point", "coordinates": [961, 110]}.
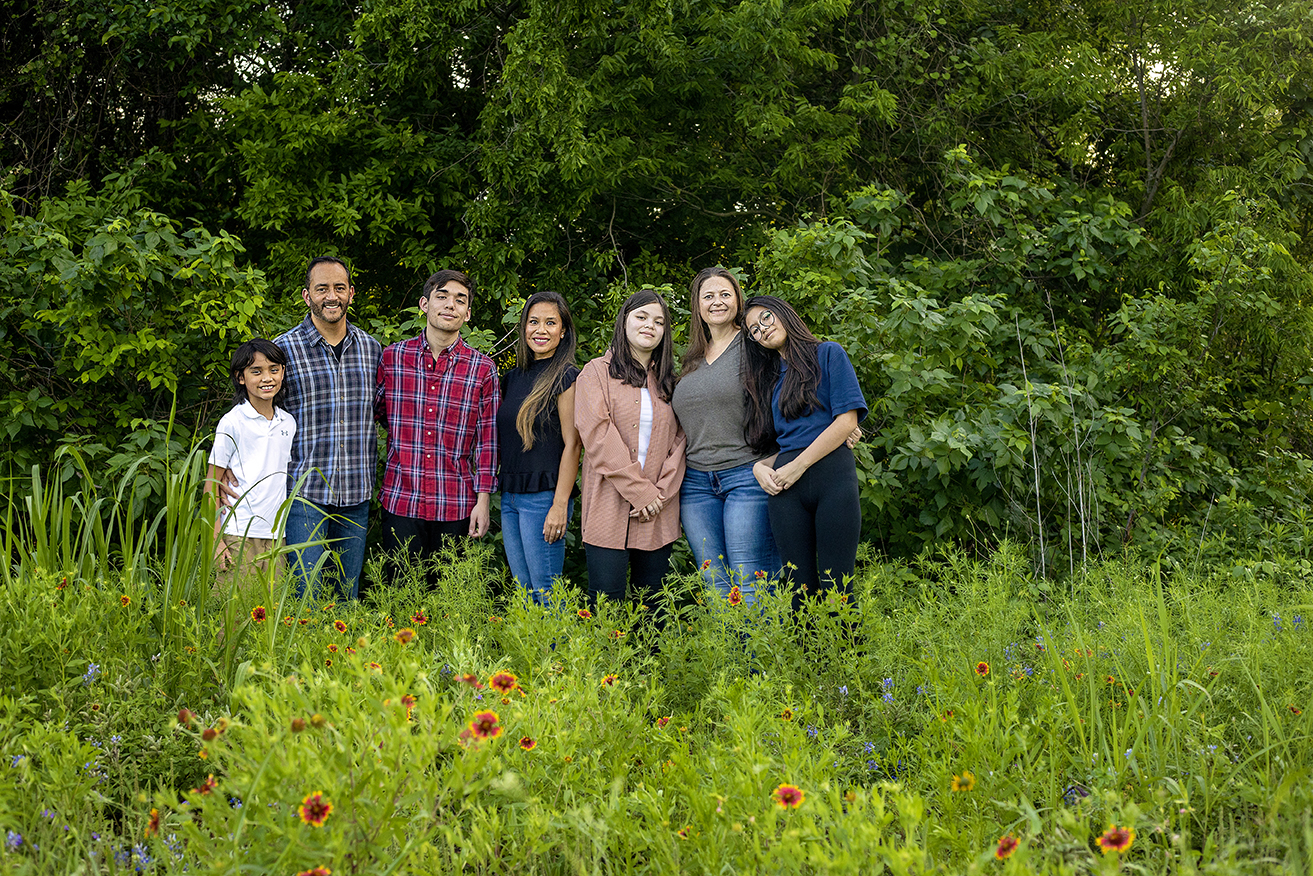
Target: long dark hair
{"type": "Point", "coordinates": [699, 333]}
{"type": "Point", "coordinates": [242, 358]}
{"type": "Point", "coordinates": [543, 391]}
{"type": "Point", "coordinates": [624, 367]}
{"type": "Point", "coordinates": [762, 369]}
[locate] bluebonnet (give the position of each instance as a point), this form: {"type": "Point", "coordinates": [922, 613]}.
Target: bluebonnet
{"type": "Point", "coordinates": [93, 672]}
{"type": "Point", "coordinates": [887, 697]}
{"type": "Point", "coordinates": [870, 747]}
{"type": "Point", "coordinates": [887, 684]}
{"type": "Point", "coordinates": [843, 689]}
{"type": "Point", "coordinates": [812, 731]}
{"type": "Point", "coordinates": [1299, 621]}
{"type": "Point", "coordinates": [1276, 621]}
{"type": "Point", "coordinates": [13, 840]}
{"type": "Point", "coordinates": [16, 760]}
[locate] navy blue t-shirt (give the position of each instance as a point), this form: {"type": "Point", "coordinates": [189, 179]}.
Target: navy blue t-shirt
{"type": "Point", "coordinates": [838, 393]}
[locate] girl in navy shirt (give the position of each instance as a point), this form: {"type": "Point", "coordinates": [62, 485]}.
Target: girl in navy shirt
{"type": "Point", "coordinates": [803, 396]}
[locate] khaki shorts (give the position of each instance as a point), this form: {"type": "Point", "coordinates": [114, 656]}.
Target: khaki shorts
{"type": "Point", "coordinates": [247, 573]}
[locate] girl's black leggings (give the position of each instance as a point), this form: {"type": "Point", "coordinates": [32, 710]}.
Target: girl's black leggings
{"type": "Point", "coordinates": [817, 522]}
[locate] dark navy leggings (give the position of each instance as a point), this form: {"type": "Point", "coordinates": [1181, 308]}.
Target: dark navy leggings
{"type": "Point", "coordinates": [817, 522]}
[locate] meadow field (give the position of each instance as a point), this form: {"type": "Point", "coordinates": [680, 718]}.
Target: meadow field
{"type": "Point", "coordinates": [958, 714]}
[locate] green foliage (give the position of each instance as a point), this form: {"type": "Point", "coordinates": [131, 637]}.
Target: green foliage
{"type": "Point", "coordinates": [941, 708]}
{"type": "Point", "coordinates": [113, 314]}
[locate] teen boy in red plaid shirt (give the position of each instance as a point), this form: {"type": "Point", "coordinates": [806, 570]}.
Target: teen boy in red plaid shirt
{"type": "Point", "coordinates": [437, 397]}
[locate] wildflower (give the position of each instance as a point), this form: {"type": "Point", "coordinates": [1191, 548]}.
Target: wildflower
{"type": "Point", "coordinates": [735, 595]}
{"type": "Point", "coordinates": [1111, 679]}
{"type": "Point", "coordinates": [298, 724]}
{"type": "Point", "coordinates": [948, 713]}
{"type": "Point", "coordinates": [684, 832]}
{"type": "Point", "coordinates": [1080, 676]}
{"type": "Point", "coordinates": [339, 625]}
{"type": "Point", "coordinates": [330, 606]}
{"type": "Point", "coordinates": [584, 613]}
{"type": "Point", "coordinates": [493, 619]}
{"type": "Point", "coordinates": [887, 697]}
{"type": "Point", "coordinates": [1007, 844]}
{"type": "Point", "coordinates": [787, 714]}
{"type": "Point", "coordinates": [1296, 710]}
{"type": "Point", "coordinates": [503, 682]}
{"type": "Point", "coordinates": [788, 796]}
{"type": "Point", "coordinates": [471, 679]}
{"type": "Point", "coordinates": [93, 672]}
{"type": "Point", "coordinates": [569, 759]}
{"type": "Point", "coordinates": [318, 721]}
{"type": "Point", "coordinates": [405, 635]}
{"type": "Point", "coordinates": [209, 733]}
{"type": "Point", "coordinates": [850, 796]}
{"type": "Point", "coordinates": [761, 574]}
{"type": "Point", "coordinates": [303, 621]}
{"type": "Point", "coordinates": [328, 662]}
{"type": "Point", "coordinates": [316, 871]}
{"type": "Point", "coordinates": [608, 680]}
{"type": "Point", "coordinates": [617, 634]}
{"type": "Point", "coordinates": [332, 647]}
{"type": "Point", "coordinates": [528, 743]}
{"type": "Point", "coordinates": [375, 667]}
{"type": "Point", "coordinates": [485, 725]}
{"type": "Point", "coordinates": [419, 618]}
{"type": "Point", "coordinates": [13, 840]}
{"type": "Point", "coordinates": [153, 826]}
{"type": "Point", "coordinates": [288, 621]}
{"type": "Point", "coordinates": [203, 754]}
{"type": "Point", "coordinates": [982, 669]}
{"type": "Point", "coordinates": [964, 782]}
{"type": "Point", "coordinates": [315, 809]}
{"type": "Point", "coordinates": [258, 614]}
{"type": "Point", "coordinates": [409, 702]}
{"type": "Point", "coordinates": [1116, 839]}
{"type": "Point", "coordinates": [125, 600]}
{"type": "Point", "coordinates": [64, 583]}
{"type": "Point", "coordinates": [663, 721]}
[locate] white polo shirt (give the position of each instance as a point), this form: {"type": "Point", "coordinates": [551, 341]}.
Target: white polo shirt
{"type": "Point", "coordinates": [258, 451]}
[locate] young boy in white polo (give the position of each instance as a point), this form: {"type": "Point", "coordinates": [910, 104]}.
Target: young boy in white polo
{"type": "Point", "coordinates": [254, 441]}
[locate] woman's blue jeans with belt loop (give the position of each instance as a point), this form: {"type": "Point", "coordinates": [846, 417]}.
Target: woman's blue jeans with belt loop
{"type": "Point", "coordinates": [728, 527]}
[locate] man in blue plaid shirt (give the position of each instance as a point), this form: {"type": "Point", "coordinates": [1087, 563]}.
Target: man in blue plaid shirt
{"type": "Point", "coordinates": [331, 366]}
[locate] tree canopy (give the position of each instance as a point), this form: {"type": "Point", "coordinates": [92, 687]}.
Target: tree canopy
{"type": "Point", "coordinates": [1068, 244]}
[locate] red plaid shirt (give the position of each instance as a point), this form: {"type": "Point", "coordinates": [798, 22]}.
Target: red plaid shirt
{"type": "Point", "coordinates": [441, 419]}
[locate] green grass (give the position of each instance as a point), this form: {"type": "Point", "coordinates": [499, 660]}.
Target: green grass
{"type": "Point", "coordinates": [1175, 705]}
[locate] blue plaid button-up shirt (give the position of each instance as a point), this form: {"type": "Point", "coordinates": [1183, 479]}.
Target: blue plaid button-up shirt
{"type": "Point", "coordinates": [333, 403]}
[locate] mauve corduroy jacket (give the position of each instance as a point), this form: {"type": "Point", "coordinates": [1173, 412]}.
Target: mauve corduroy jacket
{"type": "Point", "coordinates": [606, 413]}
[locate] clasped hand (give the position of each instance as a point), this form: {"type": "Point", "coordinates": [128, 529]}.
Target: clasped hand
{"type": "Point", "coordinates": [649, 511]}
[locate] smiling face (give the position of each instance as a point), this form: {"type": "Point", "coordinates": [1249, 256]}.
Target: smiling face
{"type": "Point", "coordinates": [542, 329]}
{"type": "Point", "coordinates": [262, 379]}
{"type": "Point", "coordinates": [644, 328]}
{"type": "Point", "coordinates": [717, 302]}
{"type": "Point", "coordinates": [329, 294]}
{"type": "Point", "coordinates": [763, 327]}
{"type": "Point", "coordinates": [447, 307]}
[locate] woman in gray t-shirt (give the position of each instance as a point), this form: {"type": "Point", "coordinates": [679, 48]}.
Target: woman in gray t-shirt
{"type": "Point", "coordinates": [722, 507]}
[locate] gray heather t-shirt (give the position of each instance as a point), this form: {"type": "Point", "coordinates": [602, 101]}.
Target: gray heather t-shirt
{"type": "Point", "coordinates": [710, 406]}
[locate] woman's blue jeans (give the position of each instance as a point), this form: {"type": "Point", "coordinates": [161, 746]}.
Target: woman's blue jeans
{"type": "Point", "coordinates": [728, 527]}
{"type": "Point", "coordinates": [534, 562]}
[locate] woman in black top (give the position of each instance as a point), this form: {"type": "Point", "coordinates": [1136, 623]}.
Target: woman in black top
{"type": "Point", "coordinates": [539, 443]}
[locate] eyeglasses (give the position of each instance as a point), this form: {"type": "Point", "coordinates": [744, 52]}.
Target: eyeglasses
{"type": "Point", "coordinates": [764, 319]}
